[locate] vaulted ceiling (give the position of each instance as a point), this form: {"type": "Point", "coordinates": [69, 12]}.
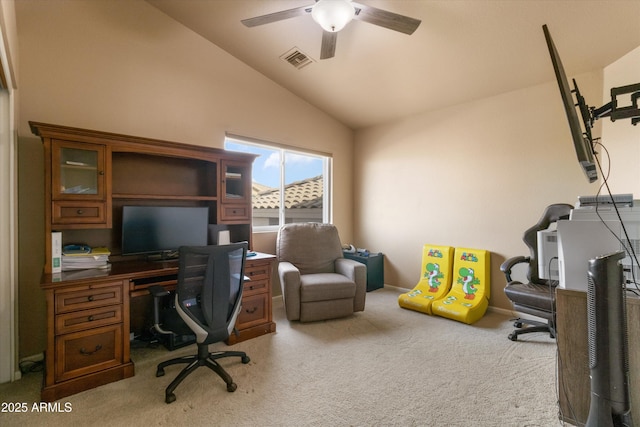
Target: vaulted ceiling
{"type": "Point", "coordinates": [463, 50]}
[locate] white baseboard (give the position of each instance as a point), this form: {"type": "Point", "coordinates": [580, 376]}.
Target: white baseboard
{"type": "Point", "coordinates": [397, 288]}
{"type": "Point", "coordinates": [503, 311]}
{"type": "Point", "coordinates": [33, 358]}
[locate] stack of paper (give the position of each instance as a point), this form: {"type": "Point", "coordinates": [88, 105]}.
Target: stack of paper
{"type": "Point", "coordinates": [96, 258]}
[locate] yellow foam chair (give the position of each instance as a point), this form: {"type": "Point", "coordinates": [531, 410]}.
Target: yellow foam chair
{"type": "Point", "coordinates": [435, 282]}
{"type": "Point", "coordinates": [468, 299]}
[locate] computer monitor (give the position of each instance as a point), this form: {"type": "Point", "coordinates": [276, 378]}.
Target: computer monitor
{"type": "Point", "coordinates": [162, 229]}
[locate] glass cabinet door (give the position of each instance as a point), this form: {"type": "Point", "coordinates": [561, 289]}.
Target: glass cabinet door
{"type": "Point", "coordinates": [78, 171]}
{"type": "Point", "coordinates": [236, 183]}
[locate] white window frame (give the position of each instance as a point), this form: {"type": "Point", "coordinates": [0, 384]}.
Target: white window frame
{"type": "Point", "coordinates": [327, 212]}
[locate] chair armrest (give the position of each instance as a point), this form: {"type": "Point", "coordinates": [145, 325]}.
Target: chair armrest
{"type": "Point", "coordinates": [357, 272]}
{"type": "Point", "coordinates": [289, 277]}
{"type": "Point", "coordinates": [506, 266]}
{"type": "Point", "coordinates": [352, 269]}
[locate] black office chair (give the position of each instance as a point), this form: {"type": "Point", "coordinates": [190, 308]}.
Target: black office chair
{"type": "Point", "coordinates": [208, 297]}
{"type": "Point", "coordinates": [537, 296]}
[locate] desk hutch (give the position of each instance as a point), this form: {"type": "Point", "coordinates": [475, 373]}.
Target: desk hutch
{"type": "Point", "coordinates": [89, 177]}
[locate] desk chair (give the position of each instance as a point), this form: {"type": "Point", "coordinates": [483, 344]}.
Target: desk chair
{"type": "Point", "coordinates": [208, 296]}
{"type": "Point", "coordinates": [536, 297]}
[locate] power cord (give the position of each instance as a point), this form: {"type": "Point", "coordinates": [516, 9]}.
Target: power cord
{"type": "Point", "coordinates": [27, 366]}
{"type": "Point", "coordinates": [629, 245]}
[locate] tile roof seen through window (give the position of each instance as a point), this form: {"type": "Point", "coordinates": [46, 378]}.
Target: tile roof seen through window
{"type": "Point", "coordinates": [305, 194]}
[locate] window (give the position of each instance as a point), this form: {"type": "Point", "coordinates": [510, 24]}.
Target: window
{"type": "Point", "coordinates": [288, 185]}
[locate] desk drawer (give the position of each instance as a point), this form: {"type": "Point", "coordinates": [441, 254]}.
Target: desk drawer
{"type": "Point", "coordinates": [235, 212]}
{"type": "Point", "coordinates": [88, 297]}
{"type": "Point", "coordinates": [255, 311]}
{"type": "Point", "coordinates": [84, 352]}
{"type": "Point", "coordinates": [78, 213]}
{"type": "Point", "coordinates": [87, 319]}
{"type": "Point", "coordinates": [257, 272]}
{"type": "Point", "coordinates": [255, 287]}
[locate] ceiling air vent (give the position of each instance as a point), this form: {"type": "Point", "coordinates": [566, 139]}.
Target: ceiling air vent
{"type": "Point", "coordinates": [297, 58]}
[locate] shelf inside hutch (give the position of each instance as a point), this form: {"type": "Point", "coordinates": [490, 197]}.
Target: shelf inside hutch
{"type": "Point", "coordinates": [139, 175]}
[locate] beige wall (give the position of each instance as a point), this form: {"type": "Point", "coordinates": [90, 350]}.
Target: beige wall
{"type": "Point", "coordinates": [474, 175]}
{"type": "Point", "coordinates": [620, 137]}
{"type": "Point", "coordinates": [122, 66]}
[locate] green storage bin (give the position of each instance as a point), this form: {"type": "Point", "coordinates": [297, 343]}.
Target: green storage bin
{"type": "Point", "coordinates": [375, 268]}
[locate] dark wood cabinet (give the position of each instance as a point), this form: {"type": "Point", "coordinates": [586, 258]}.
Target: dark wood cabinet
{"type": "Point", "coordinates": [87, 326]}
{"type": "Point", "coordinates": [89, 177]}
{"type": "Point", "coordinates": [574, 384]}
{"type": "Point", "coordinates": [78, 182]}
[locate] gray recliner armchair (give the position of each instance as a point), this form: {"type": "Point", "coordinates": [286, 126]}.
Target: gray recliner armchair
{"type": "Point", "coordinates": [317, 282]}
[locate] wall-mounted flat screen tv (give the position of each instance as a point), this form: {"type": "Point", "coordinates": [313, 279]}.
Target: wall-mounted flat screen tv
{"type": "Point", "coordinates": [162, 229]}
{"type": "Point", "coordinates": [582, 142]}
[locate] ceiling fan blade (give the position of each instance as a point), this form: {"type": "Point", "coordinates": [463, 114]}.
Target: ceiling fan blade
{"type": "Point", "coordinates": [328, 48]}
{"type": "Point", "coordinates": [277, 16]}
{"type": "Point", "coordinates": [386, 19]}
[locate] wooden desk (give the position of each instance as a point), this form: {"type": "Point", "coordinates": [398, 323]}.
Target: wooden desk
{"type": "Point", "coordinates": [89, 316]}
{"type": "Point", "coordinates": [90, 176]}
{"type": "Point", "coordinates": [574, 386]}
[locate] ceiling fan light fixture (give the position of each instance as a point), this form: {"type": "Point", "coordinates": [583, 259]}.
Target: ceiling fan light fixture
{"type": "Point", "coordinates": [333, 15]}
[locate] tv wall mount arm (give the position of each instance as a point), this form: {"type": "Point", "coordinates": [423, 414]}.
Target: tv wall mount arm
{"type": "Point", "coordinates": [629, 112]}
{"type": "Point", "coordinates": [612, 109]}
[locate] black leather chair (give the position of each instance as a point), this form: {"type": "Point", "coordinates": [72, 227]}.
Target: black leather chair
{"type": "Point", "coordinates": [537, 296]}
{"type": "Point", "coordinates": [208, 297]}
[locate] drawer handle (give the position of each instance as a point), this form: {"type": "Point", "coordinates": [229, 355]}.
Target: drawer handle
{"type": "Point", "coordinates": [90, 298]}
{"type": "Point", "coordinates": [90, 318]}
{"type": "Point", "coordinates": [79, 211]}
{"type": "Point", "coordinates": [253, 310]}
{"type": "Point", "coordinates": [89, 353]}
{"type": "Point", "coordinates": [250, 288]}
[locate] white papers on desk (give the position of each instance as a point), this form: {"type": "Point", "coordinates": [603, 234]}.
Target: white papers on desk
{"type": "Point", "coordinates": [76, 262]}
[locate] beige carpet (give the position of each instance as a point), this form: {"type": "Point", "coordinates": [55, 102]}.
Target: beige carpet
{"type": "Point", "coordinates": [385, 366]}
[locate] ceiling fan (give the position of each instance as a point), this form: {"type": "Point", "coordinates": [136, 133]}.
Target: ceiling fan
{"type": "Point", "coordinates": [333, 15]}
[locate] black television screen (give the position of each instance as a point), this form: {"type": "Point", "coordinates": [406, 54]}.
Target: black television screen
{"type": "Point", "coordinates": [162, 229]}
{"type": "Point", "coordinates": [582, 144]}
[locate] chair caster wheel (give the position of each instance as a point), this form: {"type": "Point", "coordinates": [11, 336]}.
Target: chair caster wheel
{"type": "Point", "coordinates": [513, 337]}
{"type": "Point", "coordinates": [160, 373]}
{"type": "Point", "coordinates": [170, 398]}
{"type": "Point", "coordinates": [517, 324]}
{"type": "Point", "coordinates": [245, 359]}
{"type": "Point", "coordinates": [231, 387]}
